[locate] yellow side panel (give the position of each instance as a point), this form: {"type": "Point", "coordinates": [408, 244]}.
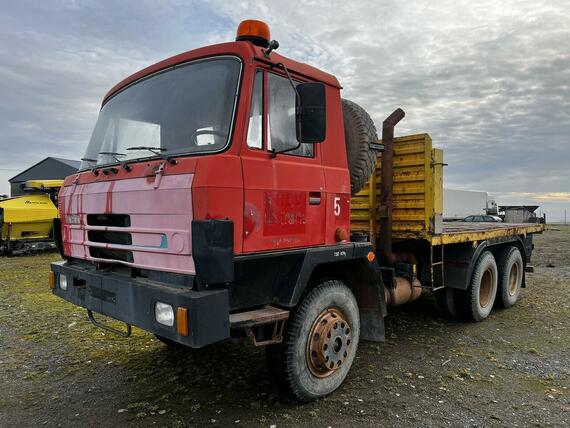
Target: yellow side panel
{"type": "Point", "coordinates": [417, 191]}
{"type": "Point", "coordinates": [44, 184]}
{"type": "Point", "coordinates": [28, 216]}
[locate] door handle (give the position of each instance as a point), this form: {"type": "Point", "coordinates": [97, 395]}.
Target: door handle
{"type": "Point", "coordinates": [315, 198]}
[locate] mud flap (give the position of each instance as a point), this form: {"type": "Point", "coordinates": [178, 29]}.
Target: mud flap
{"type": "Point", "coordinates": [372, 326]}
{"type": "Point", "coordinates": [372, 306]}
{"type": "Point", "coordinates": [213, 251]}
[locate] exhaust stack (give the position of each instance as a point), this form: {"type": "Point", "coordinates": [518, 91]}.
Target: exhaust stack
{"type": "Point", "coordinates": [386, 200]}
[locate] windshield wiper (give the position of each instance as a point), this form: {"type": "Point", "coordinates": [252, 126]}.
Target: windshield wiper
{"type": "Point", "coordinates": [93, 165]}
{"type": "Point", "coordinates": [115, 156]}
{"type": "Point", "coordinates": [157, 151]}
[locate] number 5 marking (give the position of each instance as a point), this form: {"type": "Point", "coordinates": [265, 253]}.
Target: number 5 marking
{"type": "Point", "coordinates": [337, 206]}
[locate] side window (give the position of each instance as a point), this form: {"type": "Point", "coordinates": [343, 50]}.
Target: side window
{"type": "Point", "coordinates": [282, 133]}
{"type": "Point", "coordinates": [255, 128]}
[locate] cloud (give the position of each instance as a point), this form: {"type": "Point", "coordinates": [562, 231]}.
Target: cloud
{"type": "Point", "coordinates": [488, 80]}
{"type": "Point", "coordinates": [58, 61]}
{"type": "Point", "coordinates": [542, 197]}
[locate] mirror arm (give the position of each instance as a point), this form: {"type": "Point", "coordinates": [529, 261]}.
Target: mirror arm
{"type": "Point", "coordinates": [281, 65]}
{"type": "Point", "coordinates": [274, 153]}
{"type": "Point", "coordinates": [297, 95]}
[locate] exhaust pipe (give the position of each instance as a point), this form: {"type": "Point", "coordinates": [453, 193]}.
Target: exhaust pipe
{"type": "Point", "coordinates": [386, 200]}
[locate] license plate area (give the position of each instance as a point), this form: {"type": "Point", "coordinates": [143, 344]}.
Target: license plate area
{"type": "Point", "coordinates": [101, 294]}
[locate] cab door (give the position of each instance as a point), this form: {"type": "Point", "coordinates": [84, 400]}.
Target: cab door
{"type": "Point", "coordinates": [284, 204]}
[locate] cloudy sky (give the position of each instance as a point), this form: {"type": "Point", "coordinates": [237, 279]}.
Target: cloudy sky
{"type": "Point", "coordinates": [488, 80]}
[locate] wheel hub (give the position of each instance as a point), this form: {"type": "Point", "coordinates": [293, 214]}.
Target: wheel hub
{"type": "Point", "coordinates": [513, 280]}
{"type": "Point", "coordinates": [486, 288]}
{"type": "Point", "coordinates": [329, 343]}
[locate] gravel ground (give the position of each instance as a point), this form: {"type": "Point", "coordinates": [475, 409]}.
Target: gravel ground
{"type": "Point", "coordinates": [511, 370]}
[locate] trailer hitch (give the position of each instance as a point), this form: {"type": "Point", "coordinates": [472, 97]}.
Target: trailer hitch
{"type": "Point", "coordinates": [107, 327]}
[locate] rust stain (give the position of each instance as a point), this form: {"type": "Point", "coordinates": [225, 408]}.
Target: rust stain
{"type": "Point", "coordinates": [109, 201]}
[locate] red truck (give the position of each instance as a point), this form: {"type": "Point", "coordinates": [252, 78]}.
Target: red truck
{"type": "Point", "coordinates": [224, 194]}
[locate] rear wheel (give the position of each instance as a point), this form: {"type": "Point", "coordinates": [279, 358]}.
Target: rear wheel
{"type": "Point", "coordinates": [478, 299]}
{"type": "Point", "coordinates": [511, 270]}
{"type": "Point", "coordinates": [320, 342]}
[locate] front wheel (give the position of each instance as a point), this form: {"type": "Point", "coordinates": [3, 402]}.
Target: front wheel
{"type": "Point", "coordinates": [320, 342]}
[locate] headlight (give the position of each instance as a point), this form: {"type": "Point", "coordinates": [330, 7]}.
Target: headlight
{"type": "Point", "coordinates": [164, 314]}
{"type": "Point", "coordinates": [62, 282]}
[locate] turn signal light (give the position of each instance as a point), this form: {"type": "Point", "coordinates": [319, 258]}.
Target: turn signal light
{"type": "Point", "coordinates": [370, 256]}
{"type": "Point", "coordinates": [340, 234]}
{"type": "Point", "coordinates": [52, 280]}
{"type": "Point", "coordinates": [254, 31]}
{"type": "Point", "coordinates": [182, 321]}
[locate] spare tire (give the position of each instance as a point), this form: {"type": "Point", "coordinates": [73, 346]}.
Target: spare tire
{"type": "Point", "coordinates": [359, 132]}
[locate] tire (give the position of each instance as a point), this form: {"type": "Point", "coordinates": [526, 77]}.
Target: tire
{"type": "Point", "coordinates": [328, 308]}
{"type": "Point", "coordinates": [478, 299]}
{"type": "Point", "coordinates": [359, 131]}
{"type": "Point", "coordinates": [445, 302]}
{"type": "Point", "coordinates": [171, 343]}
{"type": "Point", "coordinates": [511, 271]}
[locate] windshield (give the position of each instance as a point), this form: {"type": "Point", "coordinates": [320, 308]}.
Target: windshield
{"type": "Point", "coordinates": [187, 109]}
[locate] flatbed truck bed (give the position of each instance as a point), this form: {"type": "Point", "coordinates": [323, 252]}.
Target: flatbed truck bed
{"type": "Point", "coordinates": [418, 201]}
{"type": "Point", "coordinates": [459, 231]}
{"type": "Point", "coordinates": [444, 253]}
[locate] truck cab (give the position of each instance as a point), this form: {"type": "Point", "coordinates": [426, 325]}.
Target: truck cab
{"type": "Point", "coordinates": [197, 137]}
{"type": "Point", "coordinates": [214, 185]}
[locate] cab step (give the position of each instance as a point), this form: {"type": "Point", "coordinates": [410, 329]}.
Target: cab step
{"type": "Point", "coordinates": [263, 326]}
{"type": "Point", "coordinates": [266, 315]}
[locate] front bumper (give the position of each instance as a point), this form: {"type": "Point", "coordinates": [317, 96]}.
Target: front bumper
{"type": "Point", "coordinates": [132, 300]}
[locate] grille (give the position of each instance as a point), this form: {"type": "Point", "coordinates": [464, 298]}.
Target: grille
{"type": "Point", "coordinates": [108, 254]}
{"type": "Point", "coordinates": [122, 238]}
{"type": "Point", "coordinates": [114, 220]}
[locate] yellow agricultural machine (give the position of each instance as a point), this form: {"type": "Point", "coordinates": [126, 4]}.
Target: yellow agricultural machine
{"type": "Point", "coordinates": [26, 222]}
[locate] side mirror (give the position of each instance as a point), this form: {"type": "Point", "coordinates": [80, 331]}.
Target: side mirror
{"type": "Point", "coordinates": [311, 113]}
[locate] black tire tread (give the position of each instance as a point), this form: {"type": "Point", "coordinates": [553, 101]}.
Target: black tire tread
{"type": "Point", "coordinates": [502, 257]}
{"type": "Point", "coordinates": [469, 298]}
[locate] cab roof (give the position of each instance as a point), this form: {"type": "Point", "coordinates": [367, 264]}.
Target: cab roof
{"type": "Point", "coordinates": [243, 49]}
